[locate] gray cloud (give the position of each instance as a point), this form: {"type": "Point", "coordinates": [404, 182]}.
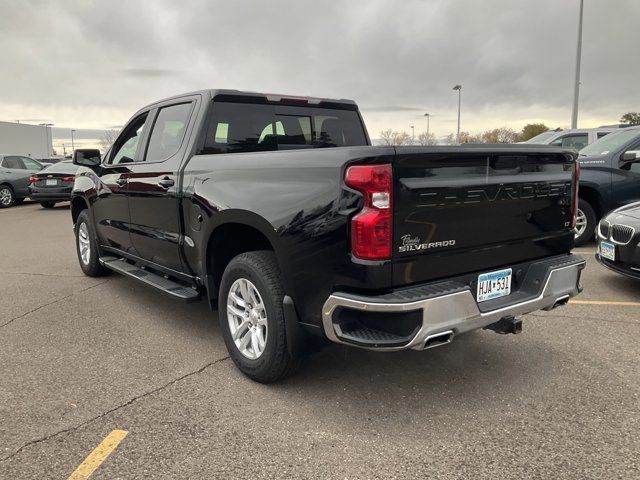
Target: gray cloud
{"type": "Point", "coordinates": [149, 72]}
{"type": "Point", "coordinates": [390, 108]}
{"type": "Point", "coordinates": [101, 61]}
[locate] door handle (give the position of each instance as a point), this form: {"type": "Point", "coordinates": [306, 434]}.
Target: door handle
{"type": "Point", "coordinates": [166, 182]}
{"type": "Point", "coordinates": [121, 182]}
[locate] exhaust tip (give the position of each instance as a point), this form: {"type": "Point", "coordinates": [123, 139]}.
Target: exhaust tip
{"type": "Point", "coordinates": [561, 301]}
{"type": "Point", "coordinates": [438, 339]}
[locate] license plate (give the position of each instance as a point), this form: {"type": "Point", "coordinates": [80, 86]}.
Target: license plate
{"type": "Point", "coordinates": [494, 285]}
{"type": "Point", "coordinates": [51, 182]}
{"type": "Point", "coordinates": [608, 251]}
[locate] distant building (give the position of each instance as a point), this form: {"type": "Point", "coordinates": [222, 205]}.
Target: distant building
{"type": "Point", "coordinates": [33, 141]}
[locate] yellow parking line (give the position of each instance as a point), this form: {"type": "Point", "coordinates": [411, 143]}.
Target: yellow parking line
{"type": "Point", "coordinates": [99, 455]}
{"type": "Point", "coordinates": [604, 302]}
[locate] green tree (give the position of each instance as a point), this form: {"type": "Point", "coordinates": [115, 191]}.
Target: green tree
{"type": "Point", "coordinates": [530, 130]}
{"type": "Point", "coordinates": [631, 118]}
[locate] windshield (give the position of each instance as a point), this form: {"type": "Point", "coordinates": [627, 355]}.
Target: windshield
{"type": "Point", "coordinates": [541, 138]}
{"type": "Point", "coordinates": [61, 167]}
{"type": "Point", "coordinates": [610, 143]}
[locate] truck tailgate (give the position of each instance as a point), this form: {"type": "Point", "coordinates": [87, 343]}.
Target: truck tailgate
{"type": "Point", "coordinates": [476, 208]}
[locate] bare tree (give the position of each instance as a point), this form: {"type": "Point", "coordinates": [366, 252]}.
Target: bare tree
{"type": "Point", "coordinates": [500, 135]}
{"type": "Point", "coordinates": [426, 139]}
{"type": "Point", "coordinates": [450, 139]}
{"type": "Point", "coordinates": [466, 137]}
{"type": "Point", "coordinates": [387, 136]}
{"type": "Point", "coordinates": [107, 139]}
{"type": "Point", "coordinates": [392, 137]}
{"type": "Point", "coordinates": [402, 138]}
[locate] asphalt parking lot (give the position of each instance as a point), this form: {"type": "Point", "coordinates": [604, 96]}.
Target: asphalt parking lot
{"type": "Point", "coordinates": [83, 358]}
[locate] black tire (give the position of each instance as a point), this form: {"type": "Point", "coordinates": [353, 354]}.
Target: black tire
{"type": "Point", "coordinates": [591, 219]}
{"type": "Point", "coordinates": [48, 204]}
{"type": "Point", "coordinates": [261, 269]}
{"type": "Point", "coordinates": [92, 267]}
{"type": "Point", "coordinates": [7, 196]}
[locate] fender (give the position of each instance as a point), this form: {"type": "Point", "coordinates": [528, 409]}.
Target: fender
{"type": "Point", "coordinates": [250, 219]}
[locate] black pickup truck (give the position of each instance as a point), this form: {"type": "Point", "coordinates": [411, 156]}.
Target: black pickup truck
{"type": "Point", "coordinates": [279, 212]}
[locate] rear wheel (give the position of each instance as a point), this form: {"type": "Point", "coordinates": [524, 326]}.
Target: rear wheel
{"type": "Point", "coordinates": [87, 247]}
{"type": "Point", "coordinates": [252, 318]}
{"type": "Point", "coordinates": [585, 223]}
{"type": "Point", "coordinates": [7, 197]}
{"type": "Point", "coordinates": [48, 204]}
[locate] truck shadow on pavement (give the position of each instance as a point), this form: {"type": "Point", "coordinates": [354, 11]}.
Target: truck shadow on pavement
{"type": "Point", "coordinates": [476, 367]}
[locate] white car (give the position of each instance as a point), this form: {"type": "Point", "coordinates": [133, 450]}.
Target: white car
{"type": "Point", "coordinates": [576, 138]}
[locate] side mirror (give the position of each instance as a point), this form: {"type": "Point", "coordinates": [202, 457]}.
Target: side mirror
{"type": "Point", "coordinates": [87, 157]}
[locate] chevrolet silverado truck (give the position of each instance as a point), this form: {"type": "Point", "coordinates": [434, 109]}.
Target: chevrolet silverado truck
{"type": "Point", "coordinates": [610, 172]}
{"type": "Point", "coordinates": [280, 213]}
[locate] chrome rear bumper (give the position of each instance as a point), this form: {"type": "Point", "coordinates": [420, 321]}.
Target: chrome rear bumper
{"type": "Point", "coordinates": [455, 312]}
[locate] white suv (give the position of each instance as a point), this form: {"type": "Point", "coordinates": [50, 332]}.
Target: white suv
{"type": "Point", "coordinates": [576, 138]}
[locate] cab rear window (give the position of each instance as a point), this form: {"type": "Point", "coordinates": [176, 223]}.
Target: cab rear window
{"type": "Point", "coordinates": [245, 127]}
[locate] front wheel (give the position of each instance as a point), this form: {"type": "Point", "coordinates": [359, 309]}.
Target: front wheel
{"type": "Point", "coordinates": [48, 204]}
{"type": "Point", "coordinates": [585, 223]}
{"type": "Point", "coordinates": [7, 197]}
{"type": "Point", "coordinates": [87, 247]}
{"type": "Point", "coordinates": [252, 318]}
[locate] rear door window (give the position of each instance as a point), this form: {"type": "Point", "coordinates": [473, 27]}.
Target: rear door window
{"type": "Point", "coordinates": [31, 164]}
{"type": "Point", "coordinates": [577, 141]}
{"type": "Point", "coordinates": [245, 127]}
{"type": "Point", "coordinates": [168, 132]}
{"type": "Point", "coordinates": [14, 162]}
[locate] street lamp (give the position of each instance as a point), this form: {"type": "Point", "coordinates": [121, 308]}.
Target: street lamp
{"type": "Point", "coordinates": [73, 148]}
{"type": "Point", "coordinates": [428, 116]}
{"type": "Point", "coordinates": [576, 86]}
{"type": "Point", "coordinates": [413, 134]}
{"type": "Point", "coordinates": [459, 89]}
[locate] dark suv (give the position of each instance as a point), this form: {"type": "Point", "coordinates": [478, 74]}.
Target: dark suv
{"type": "Point", "coordinates": [609, 178]}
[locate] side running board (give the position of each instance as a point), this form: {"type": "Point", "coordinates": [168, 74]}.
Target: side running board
{"type": "Point", "coordinates": [169, 287]}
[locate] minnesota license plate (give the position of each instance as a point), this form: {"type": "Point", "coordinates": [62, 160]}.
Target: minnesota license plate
{"type": "Point", "coordinates": [51, 182]}
{"type": "Point", "coordinates": [494, 285]}
{"type": "Point", "coordinates": [608, 251]}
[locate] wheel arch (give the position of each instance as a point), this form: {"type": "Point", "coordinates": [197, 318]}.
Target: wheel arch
{"type": "Point", "coordinates": [8, 184]}
{"type": "Point", "coordinates": [78, 204]}
{"type": "Point", "coordinates": [593, 198]}
{"type": "Point", "coordinates": [237, 232]}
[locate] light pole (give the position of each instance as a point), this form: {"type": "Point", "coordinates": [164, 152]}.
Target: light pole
{"type": "Point", "coordinates": [459, 89]}
{"type": "Point", "coordinates": [413, 134]}
{"type": "Point", "coordinates": [576, 86]}
{"type": "Point", "coordinates": [428, 116]}
{"type": "Point", "coordinates": [73, 148]}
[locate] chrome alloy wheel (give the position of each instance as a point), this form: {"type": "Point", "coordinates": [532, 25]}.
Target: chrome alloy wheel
{"type": "Point", "coordinates": [6, 196]}
{"type": "Point", "coordinates": [84, 244]}
{"type": "Point", "coordinates": [581, 223]}
{"type": "Point", "coordinates": [247, 318]}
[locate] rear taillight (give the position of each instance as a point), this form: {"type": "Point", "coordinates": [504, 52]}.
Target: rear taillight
{"type": "Point", "coordinates": [70, 179]}
{"type": "Point", "coordinates": [372, 227]}
{"type": "Point", "coordinates": [33, 179]}
{"type": "Point", "coordinates": [574, 200]}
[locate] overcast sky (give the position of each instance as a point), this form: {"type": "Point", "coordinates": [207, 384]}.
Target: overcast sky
{"type": "Point", "coordinates": [84, 64]}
